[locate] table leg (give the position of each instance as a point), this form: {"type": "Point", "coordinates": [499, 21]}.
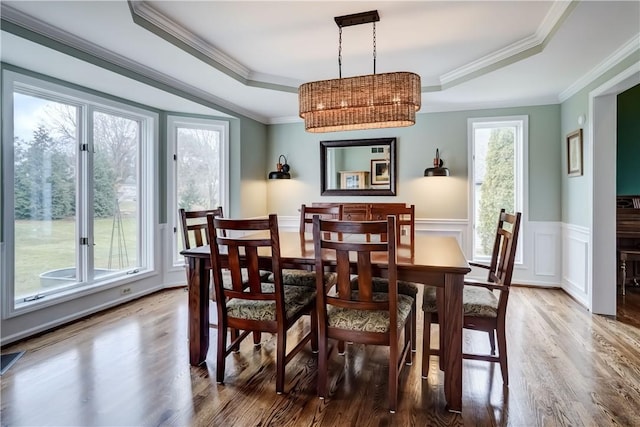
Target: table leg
{"type": "Point", "coordinates": [198, 280]}
{"type": "Point", "coordinates": [452, 352]}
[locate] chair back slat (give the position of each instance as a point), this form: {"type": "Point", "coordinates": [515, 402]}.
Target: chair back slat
{"type": "Point", "coordinates": [242, 242]}
{"type": "Point", "coordinates": [504, 254]}
{"type": "Point", "coordinates": [325, 212]}
{"type": "Point", "coordinates": [194, 226]}
{"type": "Point", "coordinates": [353, 255]}
{"type": "Point", "coordinates": [405, 219]}
{"type": "Point", "coordinates": [504, 248]}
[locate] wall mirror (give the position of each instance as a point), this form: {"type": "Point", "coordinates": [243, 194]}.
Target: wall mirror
{"type": "Point", "coordinates": [358, 167]}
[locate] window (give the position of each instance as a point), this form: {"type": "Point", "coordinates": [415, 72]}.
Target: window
{"type": "Point", "coordinates": [498, 148]}
{"type": "Point", "coordinates": [199, 158]}
{"type": "Point", "coordinates": [77, 191]}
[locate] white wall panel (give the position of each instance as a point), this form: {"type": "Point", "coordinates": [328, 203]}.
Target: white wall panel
{"type": "Point", "coordinates": [575, 263]}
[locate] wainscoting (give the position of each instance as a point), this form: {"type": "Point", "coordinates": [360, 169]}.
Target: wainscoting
{"type": "Point", "coordinates": [575, 262]}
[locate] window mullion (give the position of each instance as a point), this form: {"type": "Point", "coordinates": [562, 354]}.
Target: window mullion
{"type": "Point", "coordinates": [86, 195]}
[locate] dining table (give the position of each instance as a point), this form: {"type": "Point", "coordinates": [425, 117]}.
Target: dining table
{"type": "Point", "coordinates": [425, 259]}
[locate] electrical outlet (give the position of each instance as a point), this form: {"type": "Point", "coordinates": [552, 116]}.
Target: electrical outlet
{"type": "Point", "coordinates": [125, 291]}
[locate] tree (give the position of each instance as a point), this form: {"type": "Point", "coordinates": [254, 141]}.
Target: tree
{"type": "Point", "coordinates": [104, 196]}
{"type": "Point", "coordinates": [44, 179]}
{"type": "Point", "coordinates": [22, 180]}
{"type": "Point", "coordinates": [116, 138]}
{"type": "Point", "coordinates": [115, 144]}
{"type": "Point", "coordinates": [497, 190]}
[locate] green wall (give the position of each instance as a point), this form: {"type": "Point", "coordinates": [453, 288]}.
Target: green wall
{"type": "Point", "coordinates": [628, 154]}
{"type": "Point", "coordinates": [248, 194]}
{"type": "Point", "coordinates": [575, 190]}
{"type": "Point", "coordinates": [434, 197]}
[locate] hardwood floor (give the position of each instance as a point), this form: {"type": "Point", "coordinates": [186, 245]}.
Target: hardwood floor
{"type": "Point", "coordinates": [129, 367]}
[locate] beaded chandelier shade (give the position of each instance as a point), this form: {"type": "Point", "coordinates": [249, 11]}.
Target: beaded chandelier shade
{"type": "Point", "coordinates": [363, 102]}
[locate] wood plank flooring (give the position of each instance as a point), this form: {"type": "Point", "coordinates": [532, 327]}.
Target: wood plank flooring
{"type": "Point", "coordinates": [129, 366]}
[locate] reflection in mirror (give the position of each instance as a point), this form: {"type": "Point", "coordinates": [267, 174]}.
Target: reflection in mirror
{"type": "Point", "coordinates": [358, 167]}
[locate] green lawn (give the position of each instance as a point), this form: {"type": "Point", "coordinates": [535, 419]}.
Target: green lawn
{"type": "Point", "coordinates": [48, 245]}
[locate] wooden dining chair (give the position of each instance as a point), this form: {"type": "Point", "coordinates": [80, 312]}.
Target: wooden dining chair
{"type": "Point", "coordinates": [261, 306]}
{"type": "Point", "coordinates": [405, 226]}
{"type": "Point", "coordinates": [194, 232]}
{"type": "Point", "coordinates": [194, 226]}
{"type": "Point", "coordinates": [483, 309]}
{"type": "Point", "coordinates": [360, 315]}
{"type": "Point", "coordinates": [405, 218]}
{"type": "Point", "coordinates": [325, 212]}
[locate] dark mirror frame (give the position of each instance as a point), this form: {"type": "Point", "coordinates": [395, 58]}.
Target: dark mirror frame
{"type": "Point", "coordinates": [324, 145]}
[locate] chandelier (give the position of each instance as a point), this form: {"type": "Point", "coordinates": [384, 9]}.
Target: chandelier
{"type": "Point", "coordinates": [362, 102]}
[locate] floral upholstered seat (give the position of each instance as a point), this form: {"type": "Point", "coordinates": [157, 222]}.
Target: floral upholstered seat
{"type": "Point", "coordinates": [476, 302]}
{"type": "Point", "coordinates": [404, 288]}
{"type": "Point", "coordinates": [302, 278]}
{"type": "Point", "coordinates": [295, 298]}
{"type": "Point", "coordinates": [367, 320]}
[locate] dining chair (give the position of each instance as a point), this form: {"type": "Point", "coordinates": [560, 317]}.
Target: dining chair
{"type": "Point", "coordinates": [483, 309]}
{"type": "Point", "coordinates": [194, 226]}
{"type": "Point", "coordinates": [325, 212]}
{"type": "Point", "coordinates": [261, 306]}
{"type": "Point", "coordinates": [405, 225]}
{"type": "Point", "coordinates": [405, 218]}
{"type": "Point", "coordinates": [360, 315]}
{"type": "Point", "coordinates": [306, 277]}
{"type": "Point", "coordinates": [194, 231]}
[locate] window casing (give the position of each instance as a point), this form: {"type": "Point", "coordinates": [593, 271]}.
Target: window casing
{"type": "Point", "coordinates": [498, 148]}
{"type": "Point", "coordinates": [198, 170]}
{"type": "Point", "coordinates": [78, 193]}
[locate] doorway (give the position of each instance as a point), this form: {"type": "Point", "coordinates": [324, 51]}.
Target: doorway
{"type": "Point", "coordinates": [602, 162]}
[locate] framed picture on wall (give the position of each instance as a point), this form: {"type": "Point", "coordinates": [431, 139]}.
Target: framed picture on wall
{"type": "Point", "coordinates": [574, 153]}
{"type": "Point", "coordinates": [379, 171]}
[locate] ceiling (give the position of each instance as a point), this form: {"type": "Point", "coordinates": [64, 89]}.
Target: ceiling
{"type": "Point", "coordinates": [250, 57]}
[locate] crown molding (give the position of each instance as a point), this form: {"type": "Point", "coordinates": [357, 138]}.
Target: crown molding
{"type": "Point", "coordinates": [143, 10]}
{"type": "Point", "coordinates": [633, 45]}
{"type": "Point", "coordinates": [162, 26]}
{"type": "Point", "coordinates": [61, 41]}
{"type": "Point", "coordinates": [517, 51]}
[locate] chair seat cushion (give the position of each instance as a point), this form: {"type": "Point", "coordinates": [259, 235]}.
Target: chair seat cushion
{"type": "Point", "coordinates": [295, 299]}
{"type": "Point", "coordinates": [302, 278]}
{"type": "Point", "coordinates": [369, 320]}
{"type": "Point", "coordinates": [226, 277]}
{"type": "Point", "coordinates": [476, 301]}
{"type": "Point", "coordinates": [382, 285]}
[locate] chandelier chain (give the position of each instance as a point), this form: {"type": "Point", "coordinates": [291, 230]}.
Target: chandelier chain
{"type": "Point", "coordinates": [340, 53]}
{"type": "Point", "coordinates": [374, 48]}
{"type": "Point", "coordinates": [370, 101]}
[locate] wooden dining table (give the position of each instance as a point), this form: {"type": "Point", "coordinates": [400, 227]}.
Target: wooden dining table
{"type": "Point", "coordinates": [431, 260]}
